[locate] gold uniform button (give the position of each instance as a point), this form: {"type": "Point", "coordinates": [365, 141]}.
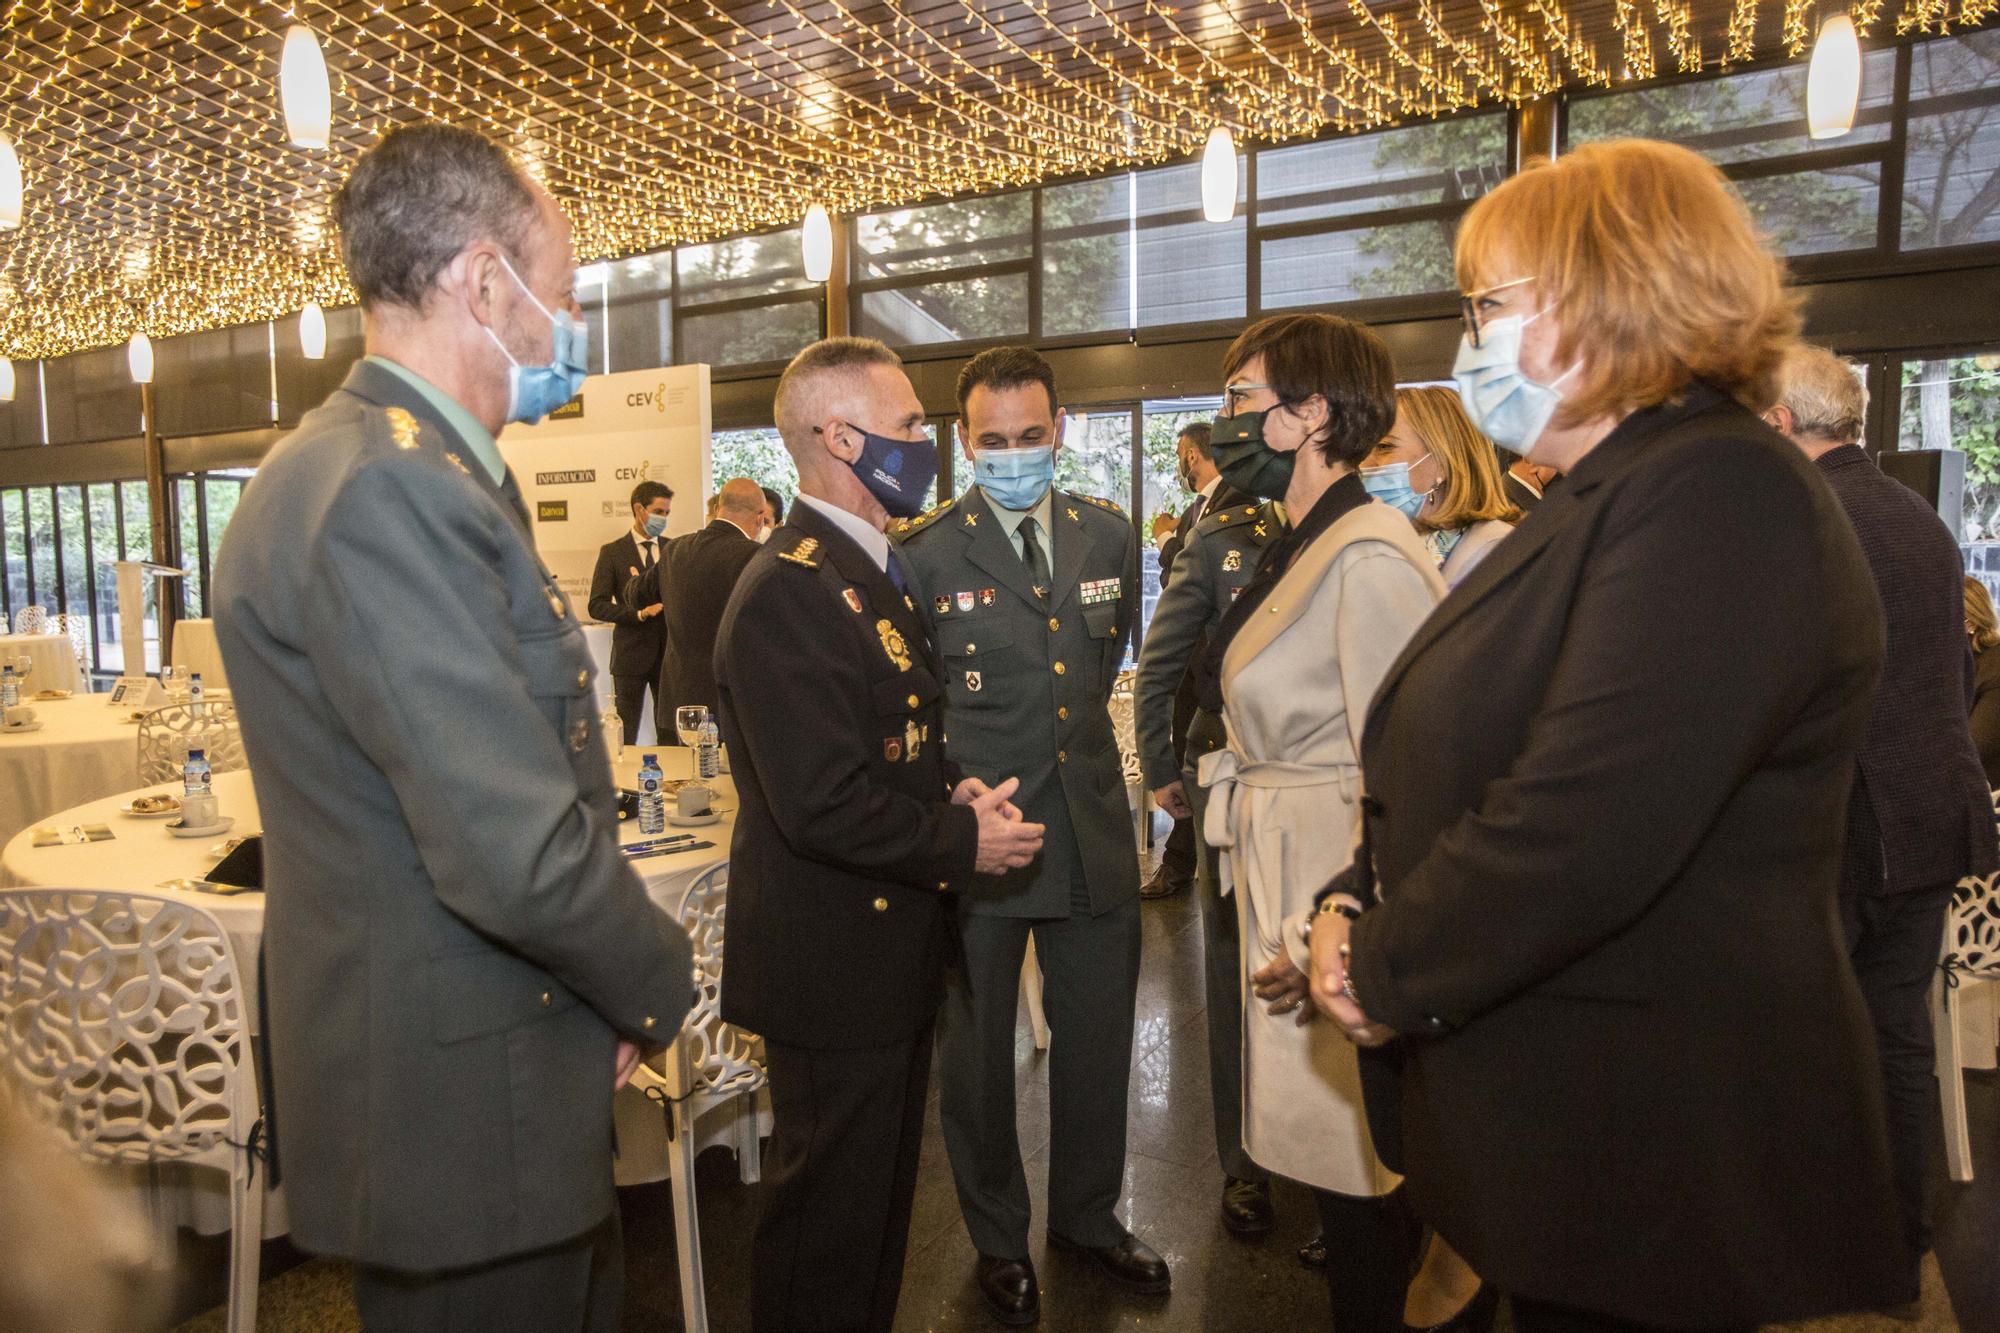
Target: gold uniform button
{"type": "Point", "coordinates": [1054, 624]}
{"type": "Point", "coordinates": [555, 605]}
{"type": "Point", "coordinates": [583, 678]}
{"type": "Point", "coordinates": [881, 904]}
{"type": "Point", "coordinates": [650, 1023]}
{"type": "Point", "coordinates": [1062, 756]}
{"type": "Point", "coordinates": [913, 701]}
{"type": "Point", "coordinates": [1063, 713]}
{"type": "Point", "coordinates": [546, 1000]}
{"type": "Point", "coordinates": [971, 648]}
{"type": "Point", "coordinates": [1061, 669]}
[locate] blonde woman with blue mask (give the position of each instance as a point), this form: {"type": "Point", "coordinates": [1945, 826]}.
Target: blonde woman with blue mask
{"type": "Point", "coordinates": [1437, 468]}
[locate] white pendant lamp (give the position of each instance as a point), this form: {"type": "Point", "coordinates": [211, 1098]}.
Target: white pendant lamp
{"type": "Point", "coordinates": [312, 332]}
{"type": "Point", "coordinates": [1833, 80]}
{"type": "Point", "coordinates": [139, 356]}
{"type": "Point", "coordinates": [6, 380]}
{"type": "Point", "coordinates": [10, 184]}
{"type": "Point", "coordinates": [816, 243]}
{"type": "Point", "coordinates": [303, 88]}
{"type": "Point", "coordinates": [1218, 175]}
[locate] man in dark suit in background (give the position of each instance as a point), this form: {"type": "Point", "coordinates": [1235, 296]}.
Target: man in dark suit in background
{"type": "Point", "coordinates": [639, 636]}
{"type": "Point", "coordinates": [855, 834]}
{"type": "Point", "coordinates": [774, 506]}
{"type": "Point", "coordinates": [695, 584]}
{"type": "Point", "coordinates": [1525, 483]}
{"type": "Point", "coordinates": [1919, 816]}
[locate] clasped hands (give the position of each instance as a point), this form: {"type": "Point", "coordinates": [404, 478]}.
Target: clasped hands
{"type": "Point", "coordinates": [1006, 841]}
{"type": "Point", "coordinates": [1285, 989]}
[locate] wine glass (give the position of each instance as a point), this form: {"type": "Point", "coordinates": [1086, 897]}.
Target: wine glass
{"type": "Point", "coordinates": [689, 719]}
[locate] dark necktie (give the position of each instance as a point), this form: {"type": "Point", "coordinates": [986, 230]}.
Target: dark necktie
{"type": "Point", "coordinates": [649, 553]}
{"type": "Point", "coordinates": [894, 569]}
{"type": "Point", "coordinates": [1032, 557]}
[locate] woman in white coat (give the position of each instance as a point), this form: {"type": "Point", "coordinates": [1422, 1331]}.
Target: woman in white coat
{"type": "Point", "coordinates": [1437, 468]}
{"type": "Point", "coordinates": [1307, 398]}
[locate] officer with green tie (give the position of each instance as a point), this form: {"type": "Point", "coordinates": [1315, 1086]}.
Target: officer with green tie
{"type": "Point", "coordinates": [1030, 592]}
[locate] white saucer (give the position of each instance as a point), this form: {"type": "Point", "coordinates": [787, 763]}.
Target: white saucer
{"type": "Point", "coordinates": [222, 827]}
{"type": "Point", "coordinates": [36, 725]}
{"type": "Point", "coordinates": [695, 821]}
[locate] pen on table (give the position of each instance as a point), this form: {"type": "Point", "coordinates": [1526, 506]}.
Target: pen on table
{"type": "Point", "coordinates": [647, 843]}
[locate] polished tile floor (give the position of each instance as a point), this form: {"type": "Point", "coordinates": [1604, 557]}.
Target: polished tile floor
{"type": "Point", "coordinates": [1221, 1284]}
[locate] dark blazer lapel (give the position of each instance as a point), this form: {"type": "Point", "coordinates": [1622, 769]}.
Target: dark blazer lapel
{"type": "Point", "coordinates": [853, 564]}
{"type": "Point", "coordinates": [1071, 543]}
{"type": "Point", "coordinates": [986, 546]}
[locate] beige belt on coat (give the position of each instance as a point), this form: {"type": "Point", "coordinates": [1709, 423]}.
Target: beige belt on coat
{"type": "Point", "coordinates": [1223, 771]}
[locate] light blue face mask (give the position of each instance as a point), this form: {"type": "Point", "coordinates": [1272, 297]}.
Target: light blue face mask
{"type": "Point", "coordinates": [1511, 409]}
{"type": "Point", "coordinates": [655, 524]}
{"type": "Point", "coordinates": [1390, 484]}
{"type": "Point", "coordinates": [1015, 478]}
{"type": "Point", "coordinates": [535, 391]}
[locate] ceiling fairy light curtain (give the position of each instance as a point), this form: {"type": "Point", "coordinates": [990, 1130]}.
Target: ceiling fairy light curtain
{"type": "Point", "coordinates": [164, 192]}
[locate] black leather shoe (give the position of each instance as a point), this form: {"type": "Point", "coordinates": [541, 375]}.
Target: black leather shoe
{"type": "Point", "coordinates": [1313, 1253]}
{"type": "Point", "coordinates": [1162, 885]}
{"type": "Point", "coordinates": [1010, 1289]}
{"type": "Point", "coordinates": [1246, 1206]}
{"type": "Point", "coordinates": [1475, 1316]}
{"type": "Point", "coordinates": [1130, 1262]}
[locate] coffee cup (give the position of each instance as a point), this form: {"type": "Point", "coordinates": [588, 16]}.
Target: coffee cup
{"type": "Point", "coordinates": [694, 801]}
{"type": "Point", "coordinates": [20, 715]}
{"type": "Point", "coordinates": [200, 811]}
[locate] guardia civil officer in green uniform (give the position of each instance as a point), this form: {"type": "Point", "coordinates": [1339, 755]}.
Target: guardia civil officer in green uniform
{"type": "Point", "coordinates": [1030, 592]}
{"type": "Point", "coordinates": [1221, 553]}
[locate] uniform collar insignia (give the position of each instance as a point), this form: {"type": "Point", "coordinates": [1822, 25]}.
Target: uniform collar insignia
{"type": "Point", "coordinates": [402, 428]}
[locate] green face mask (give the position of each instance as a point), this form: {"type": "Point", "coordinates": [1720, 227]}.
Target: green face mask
{"type": "Point", "coordinates": [1245, 461]}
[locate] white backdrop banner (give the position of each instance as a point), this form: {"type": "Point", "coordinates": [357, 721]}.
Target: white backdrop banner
{"type": "Point", "coordinates": [577, 469]}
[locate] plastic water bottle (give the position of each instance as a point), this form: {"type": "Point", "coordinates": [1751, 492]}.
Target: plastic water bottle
{"type": "Point", "coordinates": [10, 687]}
{"type": "Point", "coordinates": [194, 694]}
{"type": "Point", "coordinates": [652, 805]}
{"type": "Point", "coordinates": [708, 758]}
{"type": "Point", "coordinates": [614, 729]}
{"type": "Point", "coordinates": [196, 779]}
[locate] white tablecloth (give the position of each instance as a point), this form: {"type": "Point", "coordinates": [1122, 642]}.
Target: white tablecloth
{"type": "Point", "coordinates": [54, 658]}
{"type": "Point", "coordinates": [196, 649]}
{"type": "Point", "coordinates": [85, 749]}
{"type": "Point", "coordinates": [144, 853]}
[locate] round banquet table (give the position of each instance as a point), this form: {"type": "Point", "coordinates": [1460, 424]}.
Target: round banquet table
{"type": "Point", "coordinates": [143, 854]}
{"type": "Point", "coordinates": [196, 649]}
{"type": "Point", "coordinates": [54, 658]}
{"type": "Point", "coordinates": [84, 750]}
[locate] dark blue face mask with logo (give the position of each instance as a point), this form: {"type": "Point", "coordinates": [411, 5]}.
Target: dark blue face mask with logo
{"type": "Point", "coordinates": [898, 473]}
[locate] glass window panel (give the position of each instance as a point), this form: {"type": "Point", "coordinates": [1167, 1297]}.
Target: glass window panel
{"type": "Point", "coordinates": [1451, 161]}
{"type": "Point", "coordinates": [1190, 270]}
{"type": "Point", "coordinates": [1363, 263]}
{"type": "Point", "coordinates": [758, 454]}
{"type": "Point", "coordinates": [745, 337]}
{"type": "Point", "coordinates": [945, 312]}
{"type": "Point", "coordinates": [75, 590]}
{"type": "Point", "coordinates": [1739, 118]}
{"type": "Point", "coordinates": [193, 603]}
{"type": "Point", "coordinates": [1096, 457]}
{"type": "Point", "coordinates": [958, 234]}
{"type": "Point", "coordinates": [1817, 212]}
{"type": "Point", "coordinates": [138, 520]}
{"type": "Point", "coordinates": [41, 548]}
{"type": "Point", "coordinates": [742, 266]}
{"type": "Point", "coordinates": [104, 556]}
{"type": "Point", "coordinates": [1953, 402]}
{"type": "Point", "coordinates": [224, 490]}
{"type": "Point", "coordinates": [1087, 256]}
{"type": "Point", "coordinates": [1951, 173]}
{"type": "Point", "coordinates": [14, 516]}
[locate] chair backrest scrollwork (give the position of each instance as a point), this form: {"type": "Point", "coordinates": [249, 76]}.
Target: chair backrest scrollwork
{"type": "Point", "coordinates": [122, 1022]}
{"type": "Point", "coordinates": [717, 1059]}
{"type": "Point", "coordinates": [166, 735]}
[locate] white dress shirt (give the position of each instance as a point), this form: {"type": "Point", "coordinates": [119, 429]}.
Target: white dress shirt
{"type": "Point", "coordinates": [864, 533]}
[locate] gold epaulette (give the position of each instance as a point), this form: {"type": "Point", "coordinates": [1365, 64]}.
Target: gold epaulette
{"type": "Point", "coordinates": [903, 527]}
{"type": "Point", "coordinates": [1268, 520]}
{"type": "Point", "coordinates": [1101, 504]}
{"type": "Point", "coordinates": [802, 553]}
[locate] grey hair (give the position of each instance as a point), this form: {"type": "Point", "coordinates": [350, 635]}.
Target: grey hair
{"type": "Point", "coordinates": [419, 197]}
{"type": "Point", "coordinates": [1824, 395]}
{"type": "Point", "coordinates": [792, 405]}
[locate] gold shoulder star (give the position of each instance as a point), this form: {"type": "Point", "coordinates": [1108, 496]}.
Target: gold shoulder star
{"type": "Point", "coordinates": [402, 428]}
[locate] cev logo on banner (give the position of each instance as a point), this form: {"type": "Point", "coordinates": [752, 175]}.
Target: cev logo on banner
{"type": "Point", "coordinates": [657, 396]}
{"type": "Point", "coordinates": [643, 472]}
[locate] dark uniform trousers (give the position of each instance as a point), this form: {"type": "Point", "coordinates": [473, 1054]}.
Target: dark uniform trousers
{"type": "Point", "coordinates": [829, 1248]}
{"type": "Point", "coordinates": [575, 1287]}
{"type": "Point", "coordinates": [630, 692]}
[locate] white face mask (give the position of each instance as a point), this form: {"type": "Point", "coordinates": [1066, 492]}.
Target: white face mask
{"type": "Point", "coordinates": [1508, 407]}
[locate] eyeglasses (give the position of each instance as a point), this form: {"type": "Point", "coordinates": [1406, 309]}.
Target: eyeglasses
{"type": "Point", "coordinates": [1232, 393]}
{"type": "Point", "coordinates": [1468, 306]}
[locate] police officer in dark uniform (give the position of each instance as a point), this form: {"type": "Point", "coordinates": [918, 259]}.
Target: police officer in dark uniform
{"type": "Point", "coordinates": [853, 833]}
{"type": "Point", "coordinates": [1031, 592]}
{"type": "Point", "coordinates": [1221, 555]}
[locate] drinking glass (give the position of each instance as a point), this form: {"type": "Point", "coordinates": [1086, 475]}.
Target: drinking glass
{"type": "Point", "coordinates": [689, 719]}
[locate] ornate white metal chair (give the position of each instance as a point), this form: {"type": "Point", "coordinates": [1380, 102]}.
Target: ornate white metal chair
{"type": "Point", "coordinates": [31, 620]}
{"type": "Point", "coordinates": [710, 1064]}
{"type": "Point", "coordinates": [76, 628]}
{"type": "Point", "coordinates": [122, 1023]}
{"type": "Point", "coordinates": [1971, 953]}
{"type": "Point", "coordinates": [166, 734]}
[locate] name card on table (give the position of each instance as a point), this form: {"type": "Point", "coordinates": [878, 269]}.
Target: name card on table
{"type": "Point", "coordinates": [138, 692]}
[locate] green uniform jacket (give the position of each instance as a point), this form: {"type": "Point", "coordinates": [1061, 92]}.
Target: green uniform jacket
{"type": "Point", "coordinates": [1027, 686]}
{"type": "Point", "coordinates": [1221, 554]}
